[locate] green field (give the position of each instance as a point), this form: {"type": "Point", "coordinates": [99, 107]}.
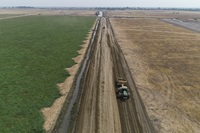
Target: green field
{"type": "Point", "coordinates": [34, 52]}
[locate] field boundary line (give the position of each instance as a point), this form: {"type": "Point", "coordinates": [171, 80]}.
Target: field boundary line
{"type": "Point", "coordinates": [19, 16]}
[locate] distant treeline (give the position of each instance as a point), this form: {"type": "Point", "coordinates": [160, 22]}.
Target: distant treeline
{"type": "Point", "coordinates": [149, 8]}
{"type": "Point", "coordinates": [108, 8]}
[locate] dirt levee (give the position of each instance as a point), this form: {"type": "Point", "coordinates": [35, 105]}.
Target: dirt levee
{"type": "Point", "coordinates": [164, 62]}
{"type": "Point", "coordinates": [100, 111]}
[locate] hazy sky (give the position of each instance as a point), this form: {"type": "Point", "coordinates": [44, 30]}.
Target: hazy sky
{"type": "Point", "coordinates": [102, 3]}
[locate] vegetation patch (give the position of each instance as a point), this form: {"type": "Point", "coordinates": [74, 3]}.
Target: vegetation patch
{"type": "Point", "coordinates": [34, 51]}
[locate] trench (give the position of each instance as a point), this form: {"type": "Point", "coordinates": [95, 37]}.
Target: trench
{"type": "Point", "coordinates": [64, 126]}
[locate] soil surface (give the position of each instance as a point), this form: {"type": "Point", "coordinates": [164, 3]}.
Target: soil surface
{"type": "Point", "coordinates": [164, 60]}
{"type": "Point", "coordinates": [100, 111]}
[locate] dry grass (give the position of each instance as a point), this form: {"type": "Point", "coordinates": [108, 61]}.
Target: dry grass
{"type": "Point", "coordinates": [164, 61]}
{"type": "Point", "coordinates": [154, 14]}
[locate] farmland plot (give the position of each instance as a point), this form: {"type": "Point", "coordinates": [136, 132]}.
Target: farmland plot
{"type": "Point", "coordinates": [34, 52]}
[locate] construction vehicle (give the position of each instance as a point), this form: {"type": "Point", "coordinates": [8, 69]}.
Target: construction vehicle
{"type": "Point", "coordinates": [122, 91]}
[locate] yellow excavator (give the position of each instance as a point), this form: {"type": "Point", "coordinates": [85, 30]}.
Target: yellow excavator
{"type": "Point", "coordinates": [122, 91]}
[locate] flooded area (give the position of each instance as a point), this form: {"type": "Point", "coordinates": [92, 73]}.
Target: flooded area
{"type": "Point", "coordinates": [192, 24]}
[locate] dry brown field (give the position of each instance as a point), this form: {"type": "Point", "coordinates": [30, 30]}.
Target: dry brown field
{"type": "Point", "coordinates": [165, 63]}
{"type": "Point", "coordinates": [154, 14]}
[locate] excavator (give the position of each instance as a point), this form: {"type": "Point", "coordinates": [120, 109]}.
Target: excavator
{"type": "Point", "coordinates": [122, 91]}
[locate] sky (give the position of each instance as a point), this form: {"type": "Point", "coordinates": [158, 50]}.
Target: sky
{"type": "Point", "coordinates": [102, 3]}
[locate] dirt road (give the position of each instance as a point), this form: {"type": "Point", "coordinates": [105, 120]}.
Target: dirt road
{"type": "Point", "coordinates": [100, 111]}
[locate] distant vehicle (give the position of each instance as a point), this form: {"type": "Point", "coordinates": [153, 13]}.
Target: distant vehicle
{"type": "Point", "coordinates": [103, 27]}
{"type": "Point", "coordinates": [122, 91]}
{"type": "Point", "coordinates": [100, 14]}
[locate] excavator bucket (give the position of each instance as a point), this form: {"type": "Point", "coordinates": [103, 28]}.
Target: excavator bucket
{"type": "Point", "coordinates": [121, 81]}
